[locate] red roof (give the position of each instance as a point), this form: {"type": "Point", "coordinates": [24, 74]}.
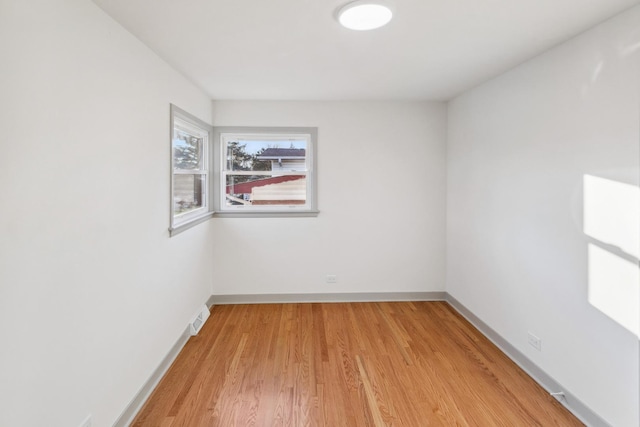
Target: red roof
{"type": "Point", "coordinates": [246, 187]}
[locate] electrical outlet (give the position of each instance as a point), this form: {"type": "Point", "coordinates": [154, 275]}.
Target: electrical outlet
{"type": "Point", "coordinates": [332, 278]}
{"type": "Point", "coordinates": [86, 422]}
{"type": "Point", "coordinates": [534, 341]}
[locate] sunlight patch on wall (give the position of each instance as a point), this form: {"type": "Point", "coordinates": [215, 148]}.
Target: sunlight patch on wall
{"type": "Point", "coordinates": [613, 287]}
{"type": "Point", "coordinates": [612, 221]}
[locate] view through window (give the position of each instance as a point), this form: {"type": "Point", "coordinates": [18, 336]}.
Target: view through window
{"type": "Point", "coordinates": [266, 171]}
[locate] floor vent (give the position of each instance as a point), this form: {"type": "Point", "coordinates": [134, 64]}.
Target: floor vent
{"type": "Point", "coordinates": [198, 321]}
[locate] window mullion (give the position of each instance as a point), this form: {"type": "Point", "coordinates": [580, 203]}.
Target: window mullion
{"type": "Point", "coordinates": [190, 172]}
{"type": "Point", "coordinates": [264, 173]}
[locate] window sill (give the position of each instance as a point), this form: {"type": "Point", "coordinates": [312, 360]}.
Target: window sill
{"type": "Point", "coordinates": [187, 225]}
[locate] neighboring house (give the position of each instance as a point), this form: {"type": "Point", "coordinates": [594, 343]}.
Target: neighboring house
{"type": "Point", "coordinates": [277, 189]}
{"type": "Point", "coordinates": [285, 159]}
{"type": "Point", "coordinates": [293, 192]}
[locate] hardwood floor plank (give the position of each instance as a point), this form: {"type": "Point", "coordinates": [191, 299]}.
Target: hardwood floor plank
{"type": "Point", "coordinates": [346, 364]}
{"type": "Point", "coordinates": [372, 394]}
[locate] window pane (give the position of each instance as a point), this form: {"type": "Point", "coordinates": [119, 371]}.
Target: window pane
{"type": "Point", "coordinates": [187, 151]}
{"type": "Point", "coordinates": [266, 190]}
{"type": "Point", "coordinates": [188, 193]}
{"type": "Point", "coordinates": [266, 155]}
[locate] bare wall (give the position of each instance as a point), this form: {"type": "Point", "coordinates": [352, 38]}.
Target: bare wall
{"type": "Point", "coordinates": [523, 151]}
{"type": "Point", "coordinates": [93, 292]}
{"type": "Point", "coordinates": [381, 195]}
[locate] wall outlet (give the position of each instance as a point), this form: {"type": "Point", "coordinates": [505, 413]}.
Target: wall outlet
{"type": "Point", "coordinates": [534, 341]}
{"type": "Point", "coordinates": [332, 278]}
{"type": "Point", "coordinates": [87, 421]}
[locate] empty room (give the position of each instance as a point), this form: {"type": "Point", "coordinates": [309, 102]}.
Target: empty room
{"type": "Point", "coordinates": [283, 213]}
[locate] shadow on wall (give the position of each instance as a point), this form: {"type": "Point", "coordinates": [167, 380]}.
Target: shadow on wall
{"type": "Point", "coordinates": [612, 226]}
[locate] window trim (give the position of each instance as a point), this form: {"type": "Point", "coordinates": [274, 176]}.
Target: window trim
{"type": "Point", "coordinates": [311, 209]}
{"type": "Point", "coordinates": [190, 219]}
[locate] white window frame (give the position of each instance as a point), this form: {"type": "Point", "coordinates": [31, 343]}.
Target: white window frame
{"type": "Point", "coordinates": [190, 124]}
{"type": "Point", "coordinates": [224, 134]}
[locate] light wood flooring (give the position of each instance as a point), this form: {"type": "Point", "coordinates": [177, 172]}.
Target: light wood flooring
{"type": "Point", "coordinates": [346, 364]}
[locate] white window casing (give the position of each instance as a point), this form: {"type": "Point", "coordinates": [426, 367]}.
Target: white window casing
{"type": "Point", "coordinates": [190, 171]}
{"type": "Point", "coordinates": [264, 172]}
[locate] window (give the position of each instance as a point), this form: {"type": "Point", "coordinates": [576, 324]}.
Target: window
{"type": "Point", "coordinates": [190, 163]}
{"type": "Point", "coordinates": [266, 171]}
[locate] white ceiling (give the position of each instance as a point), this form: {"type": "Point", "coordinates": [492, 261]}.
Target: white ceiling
{"type": "Point", "coordinates": [296, 50]}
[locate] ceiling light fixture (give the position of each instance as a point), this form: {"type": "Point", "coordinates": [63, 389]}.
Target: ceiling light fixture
{"type": "Point", "coordinates": [365, 14]}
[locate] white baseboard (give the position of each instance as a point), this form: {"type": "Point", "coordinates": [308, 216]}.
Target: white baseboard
{"type": "Point", "coordinates": [572, 403]}
{"type": "Point", "coordinates": [334, 297]}
{"type": "Point", "coordinates": [147, 388]}
{"type": "Point", "coordinates": [209, 302]}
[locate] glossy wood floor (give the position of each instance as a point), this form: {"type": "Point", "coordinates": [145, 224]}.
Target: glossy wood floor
{"type": "Point", "coordinates": [361, 364]}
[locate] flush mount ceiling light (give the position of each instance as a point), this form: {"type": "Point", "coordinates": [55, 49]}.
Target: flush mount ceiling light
{"type": "Point", "coordinates": [365, 14]}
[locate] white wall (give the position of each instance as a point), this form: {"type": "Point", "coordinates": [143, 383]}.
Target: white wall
{"type": "Point", "coordinates": [381, 195]}
{"type": "Point", "coordinates": [93, 292]}
{"type": "Point", "coordinates": [519, 147]}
